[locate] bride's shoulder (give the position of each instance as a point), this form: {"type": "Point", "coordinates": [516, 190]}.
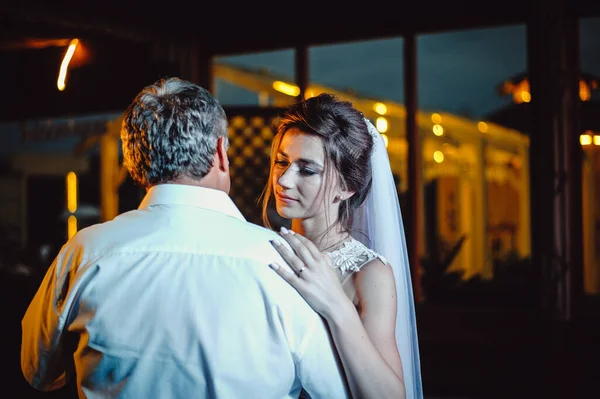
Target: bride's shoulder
{"type": "Point", "coordinates": [353, 255]}
{"type": "Point", "coordinates": [364, 251]}
{"type": "Point", "coordinates": [376, 266]}
{"type": "Point", "coordinates": [375, 276]}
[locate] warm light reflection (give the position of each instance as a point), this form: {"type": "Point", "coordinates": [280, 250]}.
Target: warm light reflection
{"type": "Point", "coordinates": [285, 88]}
{"type": "Point", "coordinates": [381, 124]}
{"type": "Point", "coordinates": [71, 226]}
{"type": "Point", "coordinates": [39, 43]}
{"type": "Point", "coordinates": [522, 94]}
{"type": "Point", "coordinates": [385, 139]}
{"type": "Point", "coordinates": [520, 91]}
{"type": "Point", "coordinates": [482, 126]}
{"type": "Point", "coordinates": [436, 118]}
{"type": "Point", "coordinates": [596, 139]}
{"type": "Point", "coordinates": [438, 156]}
{"type": "Point", "coordinates": [380, 108]}
{"type": "Point", "coordinates": [438, 130]}
{"type": "Point", "coordinates": [448, 149]}
{"type": "Point", "coordinates": [584, 91]}
{"type": "Point", "coordinates": [585, 139]}
{"type": "Point", "coordinates": [71, 192]}
{"type": "Point", "coordinates": [64, 66]}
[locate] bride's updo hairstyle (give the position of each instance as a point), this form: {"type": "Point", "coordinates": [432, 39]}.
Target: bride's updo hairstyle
{"type": "Point", "coordinates": [347, 144]}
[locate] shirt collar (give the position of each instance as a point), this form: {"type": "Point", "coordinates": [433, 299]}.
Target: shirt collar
{"type": "Point", "coordinates": [186, 195]}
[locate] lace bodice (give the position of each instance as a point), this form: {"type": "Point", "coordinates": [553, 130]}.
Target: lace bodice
{"type": "Point", "coordinates": [352, 255]}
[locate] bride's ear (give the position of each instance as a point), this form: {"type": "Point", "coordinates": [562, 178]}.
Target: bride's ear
{"type": "Point", "coordinates": [343, 195]}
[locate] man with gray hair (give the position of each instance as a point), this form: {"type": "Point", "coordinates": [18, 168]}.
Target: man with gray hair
{"type": "Point", "coordinates": [175, 299]}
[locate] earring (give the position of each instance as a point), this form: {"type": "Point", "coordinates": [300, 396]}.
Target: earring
{"type": "Point", "coordinates": [341, 197]}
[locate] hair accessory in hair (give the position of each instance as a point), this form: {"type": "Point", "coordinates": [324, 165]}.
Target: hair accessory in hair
{"type": "Point", "coordinates": [372, 129]}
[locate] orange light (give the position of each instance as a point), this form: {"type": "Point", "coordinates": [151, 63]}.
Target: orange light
{"type": "Point", "coordinates": [521, 92]}
{"type": "Point", "coordinates": [286, 88]}
{"type": "Point", "coordinates": [584, 91]}
{"type": "Point", "coordinates": [381, 124]}
{"type": "Point", "coordinates": [71, 192]}
{"type": "Point", "coordinates": [64, 66]}
{"type": "Point", "coordinates": [585, 139]}
{"type": "Point", "coordinates": [71, 226]}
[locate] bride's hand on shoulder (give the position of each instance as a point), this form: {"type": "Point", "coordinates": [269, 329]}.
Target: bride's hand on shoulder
{"type": "Point", "coordinates": [312, 274]}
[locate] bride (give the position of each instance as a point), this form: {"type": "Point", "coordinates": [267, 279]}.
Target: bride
{"type": "Point", "coordinates": [330, 175]}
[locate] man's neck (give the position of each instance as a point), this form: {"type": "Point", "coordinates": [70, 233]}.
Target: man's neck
{"type": "Point", "coordinates": [186, 181]}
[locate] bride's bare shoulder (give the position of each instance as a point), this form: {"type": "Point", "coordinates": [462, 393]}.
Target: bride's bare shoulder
{"type": "Point", "coordinates": [375, 274]}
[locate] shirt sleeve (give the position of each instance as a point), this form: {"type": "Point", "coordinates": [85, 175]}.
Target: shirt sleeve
{"type": "Point", "coordinates": [318, 365]}
{"type": "Point", "coordinates": [45, 347]}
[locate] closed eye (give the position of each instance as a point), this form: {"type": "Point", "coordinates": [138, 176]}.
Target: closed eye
{"type": "Point", "coordinates": [302, 170]}
{"type": "Point", "coordinates": [307, 172]}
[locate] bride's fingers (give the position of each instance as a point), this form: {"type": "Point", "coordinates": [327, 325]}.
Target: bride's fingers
{"type": "Point", "coordinates": [289, 256]}
{"type": "Point", "coordinates": [308, 244]}
{"type": "Point", "coordinates": [292, 278]}
{"type": "Point", "coordinates": [299, 247]}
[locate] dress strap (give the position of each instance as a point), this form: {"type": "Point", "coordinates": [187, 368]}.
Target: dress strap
{"type": "Point", "coordinates": [352, 255]}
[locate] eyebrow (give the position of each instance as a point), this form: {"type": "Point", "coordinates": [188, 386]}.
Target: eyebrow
{"type": "Point", "coordinates": [302, 160]}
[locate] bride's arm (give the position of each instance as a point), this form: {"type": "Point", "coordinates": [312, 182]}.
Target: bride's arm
{"type": "Point", "coordinates": [365, 342]}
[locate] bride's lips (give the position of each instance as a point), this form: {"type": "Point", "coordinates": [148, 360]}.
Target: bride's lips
{"type": "Point", "coordinates": [285, 198]}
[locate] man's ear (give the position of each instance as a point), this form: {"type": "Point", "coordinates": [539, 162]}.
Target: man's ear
{"type": "Point", "coordinates": [222, 159]}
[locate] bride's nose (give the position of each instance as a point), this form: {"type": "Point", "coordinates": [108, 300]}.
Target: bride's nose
{"type": "Point", "coordinates": [286, 180]}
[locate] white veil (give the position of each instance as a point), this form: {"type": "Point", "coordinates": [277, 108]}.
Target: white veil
{"type": "Point", "coordinates": [380, 220]}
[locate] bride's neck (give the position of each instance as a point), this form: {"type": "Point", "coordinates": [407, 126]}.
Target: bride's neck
{"type": "Point", "coordinates": [318, 233]}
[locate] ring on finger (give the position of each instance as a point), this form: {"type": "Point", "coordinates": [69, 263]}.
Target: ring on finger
{"type": "Point", "coordinates": [301, 270]}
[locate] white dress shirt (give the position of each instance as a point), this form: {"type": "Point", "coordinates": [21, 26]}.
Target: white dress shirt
{"type": "Point", "coordinates": [176, 300]}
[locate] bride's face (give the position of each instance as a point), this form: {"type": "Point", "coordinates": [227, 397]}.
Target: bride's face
{"type": "Point", "coordinates": [299, 177]}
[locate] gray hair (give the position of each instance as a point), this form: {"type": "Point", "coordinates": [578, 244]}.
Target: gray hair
{"type": "Point", "coordinates": [170, 131]}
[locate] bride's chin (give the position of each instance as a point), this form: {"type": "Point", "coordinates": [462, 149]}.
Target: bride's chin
{"type": "Point", "coordinates": [284, 212]}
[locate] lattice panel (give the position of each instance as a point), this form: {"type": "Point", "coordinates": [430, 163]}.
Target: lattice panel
{"type": "Point", "coordinates": [251, 132]}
